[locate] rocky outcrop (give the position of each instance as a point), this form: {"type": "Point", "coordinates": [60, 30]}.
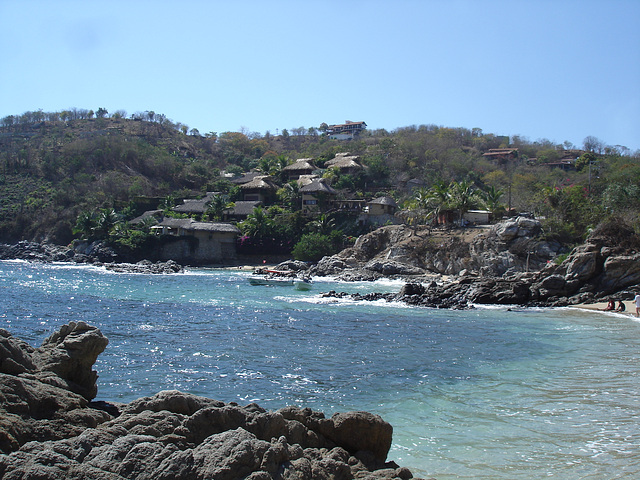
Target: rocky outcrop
{"type": "Point", "coordinates": [95, 253]}
{"type": "Point", "coordinates": [608, 264]}
{"type": "Point", "coordinates": [45, 392]}
{"type": "Point", "coordinates": [47, 431]}
{"type": "Point", "coordinates": [64, 360]}
{"type": "Point", "coordinates": [508, 247]}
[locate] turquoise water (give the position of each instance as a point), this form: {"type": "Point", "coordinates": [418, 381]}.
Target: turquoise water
{"type": "Point", "coordinates": [485, 394]}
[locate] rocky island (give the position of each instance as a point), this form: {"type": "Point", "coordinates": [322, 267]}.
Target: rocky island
{"type": "Point", "coordinates": [51, 427]}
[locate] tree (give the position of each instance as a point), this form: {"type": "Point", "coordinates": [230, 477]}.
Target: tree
{"type": "Point", "coordinates": [85, 224]}
{"type": "Point", "coordinates": [105, 222]}
{"type": "Point", "coordinates": [585, 160]}
{"type": "Point", "coordinates": [491, 197]}
{"type": "Point", "coordinates": [312, 247]}
{"type": "Point", "coordinates": [289, 195]}
{"type": "Point", "coordinates": [323, 225]}
{"type": "Point", "coordinates": [464, 197]}
{"type": "Point", "coordinates": [101, 112]}
{"type": "Point", "coordinates": [217, 205]}
{"type": "Point", "coordinates": [257, 223]}
{"type": "Point", "coordinates": [592, 144]}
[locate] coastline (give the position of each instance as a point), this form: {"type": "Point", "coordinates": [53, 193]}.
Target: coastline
{"type": "Point", "coordinates": [600, 306]}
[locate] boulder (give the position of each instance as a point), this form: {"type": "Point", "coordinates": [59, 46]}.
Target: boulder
{"type": "Point", "coordinates": [49, 430]}
{"type": "Point", "coordinates": [70, 354]}
{"type": "Point", "coordinates": [620, 272]}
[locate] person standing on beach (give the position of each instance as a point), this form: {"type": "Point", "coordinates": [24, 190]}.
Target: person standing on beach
{"type": "Point", "coordinates": [637, 300]}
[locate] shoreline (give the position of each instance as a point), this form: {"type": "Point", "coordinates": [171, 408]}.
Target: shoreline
{"type": "Point", "coordinates": [600, 307]}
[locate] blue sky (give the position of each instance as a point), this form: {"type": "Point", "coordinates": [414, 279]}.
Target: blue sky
{"type": "Point", "coordinates": [543, 69]}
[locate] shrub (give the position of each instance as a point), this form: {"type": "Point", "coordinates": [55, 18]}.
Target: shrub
{"type": "Point", "coordinates": [312, 247]}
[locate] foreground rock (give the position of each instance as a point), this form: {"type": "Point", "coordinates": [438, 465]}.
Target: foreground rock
{"type": "Point", "coordinates": [49, 431]}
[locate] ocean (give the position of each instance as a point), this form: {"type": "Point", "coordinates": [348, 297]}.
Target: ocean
{"type": "Point", "coordinates": [487, 393]}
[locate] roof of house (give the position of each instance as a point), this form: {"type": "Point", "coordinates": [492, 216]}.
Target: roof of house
{"type": "Point", "coordinates": [383, 201]}
{"type": "Point", "coordinates": [155, 214]}
{"type": "Point", "coordinates": [344, 160]}
{"type": "Point", "coordinates": [301, 164]}
{"type": "Point", "coordinates": [246, 178]}
{"type": "Point", "coordinates": [318, 185]}
{"type": "Point", "coordinates": [195, 205]}
{"type": "Point", "coordinates": [190, 224]}
{"type": "Point", "coordinates": [348, 122]}
{"type": "Point", "coordinates": [306, 179]}
{"type": "Point", "coordinates": [243, 207]}
{"type": "Point", "coordinates": [493, 152]}
{"type": "Point", "coordinates": [262, 182]}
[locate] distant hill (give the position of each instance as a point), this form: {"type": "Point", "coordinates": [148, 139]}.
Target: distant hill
{"type": "Point", "coordinates": [53, 167]}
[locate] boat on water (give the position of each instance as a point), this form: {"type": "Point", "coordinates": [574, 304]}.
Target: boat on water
{"type": "Point", "coordinates": [273, 281]}
{"type": "Point", "coordinates": [302, 284]}
{"type": "Point", "coordinates": [282, 278]}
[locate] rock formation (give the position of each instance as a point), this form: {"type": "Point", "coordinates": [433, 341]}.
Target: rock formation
{"type": "Point", "coordinates": [512, 246]}
{"type": "Point", "coordinates": [50, 430]}
{"type": "Point", "coordinates": [496, 272]}
{"type": "Point", "coordinates": [90, 253]}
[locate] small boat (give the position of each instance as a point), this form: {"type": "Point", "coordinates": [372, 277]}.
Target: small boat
{"type": "Point", "coordinates": [302, 284]}
{"type": "Point", "coordinates": [282, 278]}
{"type": "Point", "coordinates": [271, 281]}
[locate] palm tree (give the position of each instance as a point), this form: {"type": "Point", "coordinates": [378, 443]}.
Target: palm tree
{"type": "Point", "coordinates": [107, 219]}
{"type": "Point", "coordinates": [256, 224]}
{"type": "Point", "coordinates": [323, 225]}
{"type": "Point", "coordinates": [491, 198]}
{"type": "Point", "coordinates": [289, 195]}
{"type": "Point", "coordinates": [85, 224]}
{"type": "Point", "coordinates": [465, 197]}
{"type": "Point", "coordinates": [217, 205]}
{"type": "Point", "coordinates": [440, 197]}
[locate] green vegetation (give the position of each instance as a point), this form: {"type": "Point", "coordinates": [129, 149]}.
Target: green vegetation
{"type": "Point", "coordinates": [85, 174]}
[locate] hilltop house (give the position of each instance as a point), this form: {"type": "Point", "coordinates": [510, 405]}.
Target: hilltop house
{"type": "Point", "coordinates": [196, 243]}
{"type": "Point", "coordinates": [501, 154]}
{"type": "Point", "coordinates": [346, 131]}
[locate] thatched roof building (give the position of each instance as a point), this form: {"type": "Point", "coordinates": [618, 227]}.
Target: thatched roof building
{"type": "Point", "coordinates": [302, 166]}
{"type": "Point", "coordinates": [346, 162]}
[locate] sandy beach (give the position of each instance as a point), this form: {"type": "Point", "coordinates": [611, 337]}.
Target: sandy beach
{"type": "Point", "coordinates": [630, 307]}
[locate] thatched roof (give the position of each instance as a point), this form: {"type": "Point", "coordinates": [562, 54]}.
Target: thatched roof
{"type": "Point", "coordinates": [155, 214]}
{"type": "Point", "coordinates": [190, 224]}
{"type": "Point", "coordinates": [243, 208]}
{"type": "Point", "coordinates": [302, 164]}
{"type": "Point", "coordinates": [344, 161]}
{"type": "Point", "coordinates": [246, 178]}
{"type": "Point", "coordinates": [262, 182]}
{"type": "Point", "coordinates": [318, 185]}
{"type": "Point", "coordinates": [306, 179]}
{"type": "Point", "coordinates": [195, 205]}
{"type": "Point", "coordinates": [384, 201]}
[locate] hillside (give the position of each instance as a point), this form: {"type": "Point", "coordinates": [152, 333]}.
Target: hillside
{"type": "Point", "coordinates": [52, 170]}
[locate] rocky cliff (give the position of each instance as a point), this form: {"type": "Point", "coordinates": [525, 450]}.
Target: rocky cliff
{"type": "Point", "coordinates": [49, 429]}
{"type": "Point", "coordinates": [606, 265]}
{"type": "Point", "coordinates": [511, 246]}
